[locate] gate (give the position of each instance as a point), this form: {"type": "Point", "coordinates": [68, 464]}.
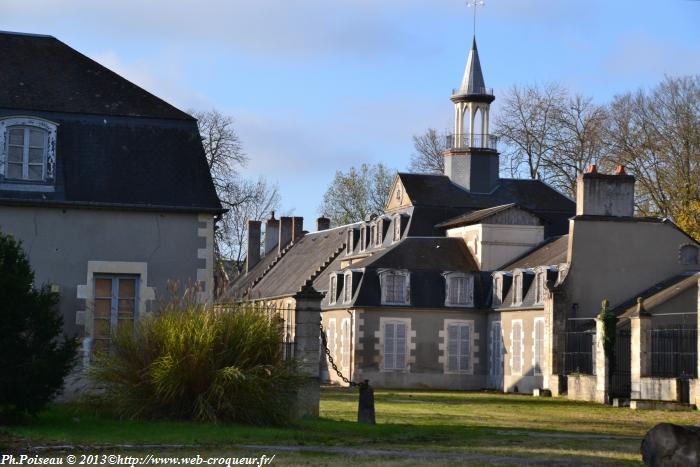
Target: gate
{"type": "Point", "coordinates": [620, 373]}
{"type": "Point", "coordinates": [674, 355]}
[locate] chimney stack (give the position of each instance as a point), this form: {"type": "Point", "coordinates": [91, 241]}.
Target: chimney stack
{"type": "Point", "coordinates": [323, 223]}
{"type": "Point", "coordinates": [297, 228]}
{"type": "Point", "coordinates": [271, 233]}
{"type": "Point", "coordinates": [253, 256]}
{"type": "Point", "coordinates": [285, 235]}
{"type": "Point", "coordinates": [600, 194]}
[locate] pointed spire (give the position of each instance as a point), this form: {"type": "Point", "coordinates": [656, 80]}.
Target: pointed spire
{"type": "Point", "coordinates": [473, 81]}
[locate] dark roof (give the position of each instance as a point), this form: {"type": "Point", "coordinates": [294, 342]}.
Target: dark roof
{"type": "Point", "coordinates": [125, 163]}
{"type": "Point", "coordinates": [658, 293]}
{"type": "Point", "coordinates": [43, 73]}
{"type": "Point", "coordinates": [541, 199]}
{"type": "Point", "coordinates": [421, 253]}
{"type": "Point", "coordinates": [475, 217]}
{"type": "Point", "coordinates": [551, 252]}
{"type": "Point", "coordinates": [473, 80]}
{"type": "Point", "coordinates": [304, 260]}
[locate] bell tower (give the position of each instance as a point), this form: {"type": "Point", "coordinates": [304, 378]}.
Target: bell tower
{"type": "Point", "coordinates": [471, 158]}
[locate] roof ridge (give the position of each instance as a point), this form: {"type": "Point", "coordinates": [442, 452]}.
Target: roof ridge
{"type": "Point", "coordinates": [29, 34]}
{"type": "Point", "coordinates": [325, 264]}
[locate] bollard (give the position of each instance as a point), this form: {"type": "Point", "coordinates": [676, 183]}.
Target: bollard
{"type": "Point", "coordinates": [365, 408]}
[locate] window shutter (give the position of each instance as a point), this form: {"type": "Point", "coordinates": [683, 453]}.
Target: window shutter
{"type": "Point", "coordinates": [452, 348]}
{"type": "Point", "coordinates": [389, 346]}
{"type": "Point", "coordinates": [400, 346]}
{"type": "Point", "coordinates": [464, 345]}
{"type": "Point", "coordinates": [539, 346]}
{"type": "Point", "coordinates": [517, 343]}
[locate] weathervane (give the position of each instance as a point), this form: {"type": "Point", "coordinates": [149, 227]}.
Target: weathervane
{"type": "Point", "coordinates": [475, 4]}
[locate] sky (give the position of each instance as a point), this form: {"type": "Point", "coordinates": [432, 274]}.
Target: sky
{"type": "Point", "coordinates": [317, 86]}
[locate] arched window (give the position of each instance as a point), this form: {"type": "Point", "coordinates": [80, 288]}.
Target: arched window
{"type": "Point", "coordinates": [27, 150]}
{"type": "Point", "coordinates": [688, 255]}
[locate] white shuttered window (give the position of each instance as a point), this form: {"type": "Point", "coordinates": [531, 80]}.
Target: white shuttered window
{"type": "Point", "coordinates": [395, 345]}
{"type": "Point", "coordinates": [458, 347]}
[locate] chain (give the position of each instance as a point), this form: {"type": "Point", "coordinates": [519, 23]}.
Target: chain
{"type": "Point", "coordinates": [324, 340]}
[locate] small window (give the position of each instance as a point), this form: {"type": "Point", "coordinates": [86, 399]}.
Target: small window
{"type": "Point", "coordinates": [373, 235]}
{"type": "Point", "coordinates": [26, 153]}
{"type": "Point", "coordinates": [363, 240]}
{"type": "Point", "coordinates": [347, 288]}
{"type": "Point", "coordinates": [539, 287]}
{"type": "Point", "coordinates": [395, 345]}
{"type": "Point", "coordinates": [517, 289]}
{"type": "Point", "coordinates": [458, 348]}
{"type": "Point", "coordinates": [517, 348]}
{"type": "Point", "coordinates": [460, 289]}
{"type": "Point", "coordinates": [345, 343]}
{"type": "Point", "coordinates": [395, 288]}
{"type": "Point", "coordinates": [114, 306]}
{"type": "Point", "coordinates": [333, 289]}
{"type": "Point", "coordinates": [379, 233]}
{"type": "Point", "coordinates": [497, 290]}
{"type": "Point", "coordinates": [538, 350]}
{"type": "Point", "coordinates": [689, 255]}
{"type": "Point", "coordinates": [348, 246]}
{"type": "Point", "coordinates": [397, 228]}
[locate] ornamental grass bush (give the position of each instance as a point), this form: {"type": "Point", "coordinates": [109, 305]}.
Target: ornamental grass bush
{"type": "Point", "coordinates": [191, 362]}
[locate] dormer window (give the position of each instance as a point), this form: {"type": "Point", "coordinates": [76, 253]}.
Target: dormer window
{"type": "Point", "coordinates": [333, 289]}
{"type": "Point", "coordinates": [27, 150]}
{"type": "Point", "coordinates": [689, 255]}
{"type": "Point", "coordinates": [363, 238]}
{"type": "Point", "coordinates": [373, 235]}
{"type": "Point", "coordinates": [347, 289]}
{"type": "Point", "coordinates": [397, 228]}
{"type": "Point", "coordinates": [459, 289]}
{"type": "Point", "coordinates": [348, 245]}
{"type": "Point", "coordinates": [497, 290]}
{"type": "Point", "coordinates": [539, 287]}
{"type": "Point", "coordinates": [395, 287]}
{"type": "Point", "coordinates": [517, 289]}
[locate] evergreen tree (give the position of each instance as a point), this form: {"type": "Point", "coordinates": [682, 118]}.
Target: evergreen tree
{"type": "Point", "coordinates": [34, 356]}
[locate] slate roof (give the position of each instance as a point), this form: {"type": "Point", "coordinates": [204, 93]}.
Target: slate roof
{"type": "Point", "coordinates": [473, 80]}
{"type": "Point", "coordinates": [117, 146]}
{"type": "Point", "coordinates": [658, 293]}
{"type": "Point", "coordinates": [42, 73]}
{"type": "Point", "coordinates": [304, 260]}
{"type": "Point", "coordinates": [551, 252]}
{"type": "Point", "coordinates": [426, 259]}
{"type": "Point", "coordinates": [475, 217]}
{"type": "Point", "coordinates": [438, 190]}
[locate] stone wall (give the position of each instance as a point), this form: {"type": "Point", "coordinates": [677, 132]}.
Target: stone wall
{"type": "Point", "coordinates": [659, 389]}
{"type": "Point", "coordinates": [581, 387]}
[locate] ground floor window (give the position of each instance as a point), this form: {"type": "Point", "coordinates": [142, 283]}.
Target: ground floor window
{"type": "Point", "coordinates": [330, 337]}
{"type": "Point", "coordinates": [538, 346]}
{"type": "Point", "coordinates": [345, 341]}
{"type": "Point", "coordinates": [395, 345]}
{"type": "Point", "coordinates": [115, 306]}
{"type": "Point", "coordinates": [516, 353]}
{"type": "Point", "coordinates": [459, 346]}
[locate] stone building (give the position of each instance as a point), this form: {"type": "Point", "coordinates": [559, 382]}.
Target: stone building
{"type": "Point", "coordinates": [469, 280]}
{"type": "Point", "coordinates": [106, 186]}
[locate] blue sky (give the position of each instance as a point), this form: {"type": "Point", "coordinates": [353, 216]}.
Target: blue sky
{"type": "Point", "coordinates": [320, 85]}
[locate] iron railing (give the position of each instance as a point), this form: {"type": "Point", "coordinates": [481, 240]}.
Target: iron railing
{"type": "Point", "coordinates": [578, 354]}
{"type": "Point", "coordinates": [674, 352]}
{"type": "Point", "coordinates": [474, 91]}
{"type": "Point", "coordinates": [475, 140]}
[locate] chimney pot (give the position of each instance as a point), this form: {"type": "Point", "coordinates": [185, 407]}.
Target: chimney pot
{"type": "Point", "coordinates": [620, 170]}
{"type": "Point", "coordinates": [254, 237]}
{"type": "Point", "coordinates": [592, 169]}
{"type": "Point", "coordinates": [297, 228]}
{"type": "Point", "coordinates": [271, 233]}
{"type": "Point", "coordinates": [285, 232]}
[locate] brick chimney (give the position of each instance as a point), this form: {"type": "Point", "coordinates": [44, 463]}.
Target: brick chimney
{"type": "Point", "coordinates": [297, 228]}
{"type": "Point", "coordinates": [285, 235]}
{"type": "Point", "coordinates": [323, 223]}
{"type": "Point", "coordinates": [600, 194]}
{"type": "Point", "coordinates": [254, 237]}
{"type": "Point", "coordinates": [271, 233]}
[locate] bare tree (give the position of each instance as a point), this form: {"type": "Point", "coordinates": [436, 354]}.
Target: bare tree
{"type": "Point", "coordinates": [578, 139]}
{"type": "Point", "coordinates": [428, 157]}
{"type": "Point", "coordinates": [355, 195]}
{"type": "Point", "coordinates": [656, 134]}
{"type": "Point", "coordinates": [245, 199]}
{"type": "Point", "coordinates": [528, 125]}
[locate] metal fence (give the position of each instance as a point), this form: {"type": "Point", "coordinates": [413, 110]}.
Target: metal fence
{"type": "Point", "coordinates": [674, 352]}
{"type": "Point", "coordinates": [579, 351]}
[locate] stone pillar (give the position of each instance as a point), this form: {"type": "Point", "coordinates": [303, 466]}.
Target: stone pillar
{"type": "Point", "coordinates": [555, 343]}
{"type": "Point", "coordinates": [253, 256]}
{"type": "Point", "coordinates": [285, 236]}
{"type": "Point", "coordinates": [602, 379]}
{"type": "Point", "coordinates": [307, 348]}
{"type": "Point", "coordinates": [640, 349]}
{"type": "Point", "coordinates": [695, 384]}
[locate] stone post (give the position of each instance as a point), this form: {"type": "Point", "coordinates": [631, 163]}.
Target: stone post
{"type": "Point", "coordinates": [602, 379]}
{"type": "Point", "coordinates": [695, 384]}
{"type": "Point", "coordinates": [307, 348]}
{"type": "Point", "coordinates": [640, 349]}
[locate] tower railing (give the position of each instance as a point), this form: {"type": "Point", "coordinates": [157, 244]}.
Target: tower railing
{"type": "Point", "coordinates": [472, 140]}
{"type": "Point", "coordinates": [475, 90]}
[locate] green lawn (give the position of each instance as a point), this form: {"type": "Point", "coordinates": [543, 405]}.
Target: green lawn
{"type": "Point", "coordinates": [444, 422]}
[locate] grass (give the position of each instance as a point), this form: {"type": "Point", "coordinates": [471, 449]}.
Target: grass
{"type": "Point", "coordinates": [487, 424]}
